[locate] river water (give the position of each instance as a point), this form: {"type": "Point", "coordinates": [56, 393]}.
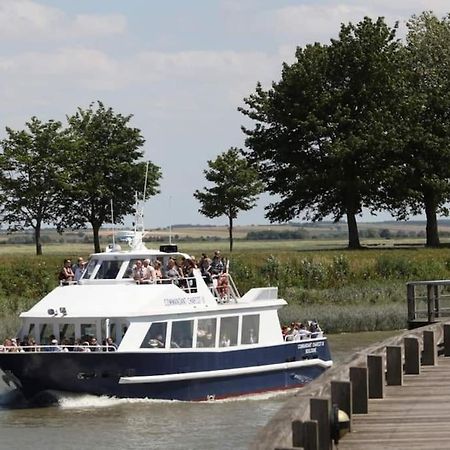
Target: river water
{"type": "Point", "coordinates": [86, 422]}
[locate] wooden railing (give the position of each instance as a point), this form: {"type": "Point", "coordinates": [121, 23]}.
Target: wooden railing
{"type": "Point", "coordinates": [427, 301]}
{"type": "Point", "coordinates": [303, 421]}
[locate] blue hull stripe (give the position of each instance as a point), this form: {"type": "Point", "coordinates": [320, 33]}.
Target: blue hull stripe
{"type": "Point", "coordinates": [224, 373]}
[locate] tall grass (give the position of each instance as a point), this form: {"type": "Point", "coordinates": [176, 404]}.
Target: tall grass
{"type": "Point", "coordinates": [344, 290]}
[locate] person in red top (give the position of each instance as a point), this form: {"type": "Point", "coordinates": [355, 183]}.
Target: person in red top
{"type": "Point", "coordinates": [66, 274]}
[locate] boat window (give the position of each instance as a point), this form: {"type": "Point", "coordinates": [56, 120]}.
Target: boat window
{"type": "Point", "coordinates": [228, 331]}
{"type": "Point", "coordinates": [156, 336]}
{"type": "Point", "coordinates": [88, 331]}
{"type": "Point", "coordinates": [46, 333]}
{"type": "Point", "coordinates": [108, 270]}
{"type": "Point", "coordinates": [250, 329]}
{"type": "Point", "coordinates": [31, 330]}
{"type": "Point", "coordinates": [66, 331]}
{"type": "Point", "coordinates": [89, 269]}
{"type": "Point", "coordinates": [206, 332]}
{"type": "Point", "coordinates": [182, 334]}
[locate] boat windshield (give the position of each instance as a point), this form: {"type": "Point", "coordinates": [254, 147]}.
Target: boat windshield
{"type": "Point", "coordinates": [89, 269]}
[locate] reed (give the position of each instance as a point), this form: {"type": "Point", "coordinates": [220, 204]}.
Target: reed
{"type": "Point", "coordinates": [344, 290]}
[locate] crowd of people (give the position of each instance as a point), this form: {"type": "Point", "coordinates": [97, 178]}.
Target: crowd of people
{"type": "Point", "coordinates": [181, 272]}
{"type": "Point", "coordinates": [297, 331]}
{"type": "Point", "coordinates": [178, 271]}
{"type": "Point", "coordinates": [86, 344]}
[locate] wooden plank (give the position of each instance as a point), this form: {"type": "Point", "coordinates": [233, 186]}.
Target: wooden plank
{"type": "Point", "coordinates": [411, 416]}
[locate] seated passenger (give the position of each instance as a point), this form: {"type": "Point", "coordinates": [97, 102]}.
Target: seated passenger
{"type": "Point", "coordinates": [158, 271]}
{"type": "Point", "coordinates": [94, 345]}
{"type": "Point", "coordinates": [148, 273]}
{"type": "Point", "coordinates": [66, 274]}
{"type": "Point", "coordinates": [138, 272]}
{"type": "Point", "coordinates": [110, 345]}
{"type": "Point", "coordinates": [172, 271]}
{"type": "Point", "coordinates": [54, 347]}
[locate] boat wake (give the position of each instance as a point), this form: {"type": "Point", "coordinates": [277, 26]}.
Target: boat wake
{"type": "Point", "coordinates": [82, 401]}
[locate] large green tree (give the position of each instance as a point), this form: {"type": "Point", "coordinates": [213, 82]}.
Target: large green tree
{"type": "Point", "coordinates": [322, 132]}
{"type": "Point", "coordinates": [235, 188]}
{"type": "Point", "coordinates": [420, 178]}
{"type": "Point", "coordinates": [104, 166]}
{"type": "Point", "coordinates": [31, 175]}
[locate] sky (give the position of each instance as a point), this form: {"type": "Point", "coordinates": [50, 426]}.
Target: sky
{"type": "Point", "coordinates": [180, 67]}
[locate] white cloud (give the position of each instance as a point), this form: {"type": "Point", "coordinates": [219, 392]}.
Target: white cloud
{"type": "Point", "coordinates": [29, 20]}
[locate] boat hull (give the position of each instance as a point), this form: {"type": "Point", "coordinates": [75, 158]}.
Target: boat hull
{"type": "Point", "coordinates": [188, 375]}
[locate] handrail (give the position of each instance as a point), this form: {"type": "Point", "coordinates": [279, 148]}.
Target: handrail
{"type": "Point", "coordinates": [56, 348]}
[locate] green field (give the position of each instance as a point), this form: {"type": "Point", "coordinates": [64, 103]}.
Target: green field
{"type": "Point", "coordinates": [358, 290]}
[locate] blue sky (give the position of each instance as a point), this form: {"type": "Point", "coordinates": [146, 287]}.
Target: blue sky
{"type": "Point", "coordinates": [180, 67]}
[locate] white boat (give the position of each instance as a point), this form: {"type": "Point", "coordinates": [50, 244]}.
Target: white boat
{"type": "Point", "coordinates": [182, 339]}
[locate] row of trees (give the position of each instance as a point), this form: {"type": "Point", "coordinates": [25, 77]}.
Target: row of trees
{"type": "Point", "coordinates": [363, 122]}
{"type": "Point", "coordinates": [67, 176]}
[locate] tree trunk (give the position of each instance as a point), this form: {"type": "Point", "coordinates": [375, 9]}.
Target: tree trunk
{"type": "Point", "coordinates": [95, 230]}
{"type": "Point", "coordinates": [432, 225]}
{"type": "Point", "coordinates": [353, 235]}
{"type": "Point", "coordinates": [37, 238]}
{"type": "Point", "coordinates": [230, 232]}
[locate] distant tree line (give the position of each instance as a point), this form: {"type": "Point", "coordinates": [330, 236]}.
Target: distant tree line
{"type": "Point", "coordinates": [68, 175]}
{"type": "Point", "coordinates": [363, 122]}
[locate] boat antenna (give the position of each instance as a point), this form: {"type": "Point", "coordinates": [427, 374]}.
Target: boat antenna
{"type": "Point", "coordinates": [170, 220]}
{"type": "Point", "coordinates": [145, 183]}
{"type": "Point", "coordinates": [113, 227]}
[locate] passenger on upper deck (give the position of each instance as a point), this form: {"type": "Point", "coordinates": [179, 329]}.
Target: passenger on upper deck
{"type": "Point", "coordinates": [204, 264]}
{"type": "Point", "coordinates": [158, 271]}
{"type": "Point", "coordinates": [148, 273]}
{"type": "Point", "coordinates": [66, 274]}
{"type": "Point", "coordinates": [138, 272]}
{"type": "Point", "coordinates": [172, 270]}
{"type": "Point", "coordinates": [217, 264]}
{"type": "Point", "coordinates": [78, 268]}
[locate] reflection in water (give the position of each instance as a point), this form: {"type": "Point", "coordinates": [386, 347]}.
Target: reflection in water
{"type": "Point", "coordinates": [83, 421]}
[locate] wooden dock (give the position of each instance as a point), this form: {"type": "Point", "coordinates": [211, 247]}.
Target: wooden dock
{"type": "Point", "coordinates": [415, 415]}
{"type": "Point", "coordinates": [396, 395]}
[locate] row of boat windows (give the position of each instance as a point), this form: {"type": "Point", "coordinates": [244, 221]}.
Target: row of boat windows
{"type": "Point", "coordinates": [110, 269]}
{"type": "Point", "coordinates": [211, 332]}
{"type": "Point", "coordinates": [45, 332]}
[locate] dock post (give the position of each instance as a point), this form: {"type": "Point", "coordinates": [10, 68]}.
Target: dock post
{"type": "Point", "coordinates": [412, 359]}
{"type": "Point", "coordinates": [360, 396]}
{"type": "Point", "coordinates": [411, 300]}
{"type": "Point", "coordinates": [394, 370]}
{"type": "Point", "coordinates": [341, 395]}
{"type": "Point", "coordinates": [446, 339]}
{"type": "Point", "coordinates": [436, 300]}
{"type": "Point", "coordinates": [429, 353]}
{"type": "Point", "coordinates": [311, 435]}
{"type": "Point", "coordinates": [376, 376]}
{"type": "Point", "coordinates": [430, 303]}
{"type": "Point", "coordinates": [321, 411]}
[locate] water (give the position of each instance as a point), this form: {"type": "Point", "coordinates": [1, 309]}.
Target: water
{"type": "Point", "coordinates": [103, 423]}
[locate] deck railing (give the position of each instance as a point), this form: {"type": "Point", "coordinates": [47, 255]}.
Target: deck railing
{"type": "Point", "coordinates": [428, 300]}
{"type": "Point", "coordinates": [56, 348]}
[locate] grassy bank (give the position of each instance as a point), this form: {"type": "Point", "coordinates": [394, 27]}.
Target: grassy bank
{"type": "Point", "coordinates": [344, 290]}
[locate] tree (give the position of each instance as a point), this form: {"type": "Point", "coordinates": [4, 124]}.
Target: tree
{"type": "Point", "coordinates": [421, 174]}
{"type": "Point", "coordinates": [323, 131]}
{"type": "Point", "coordinates": [236, 187]}
{"type": "Point", "coordinates": [103, 167]}
{"type": "Point", "coordinates": [30, 177]}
